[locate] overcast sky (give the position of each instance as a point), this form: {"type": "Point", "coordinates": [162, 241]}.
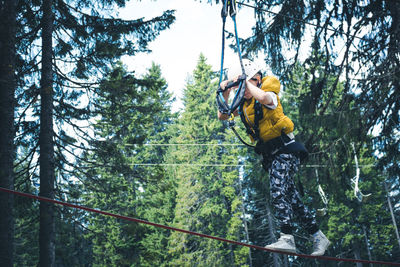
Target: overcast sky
{"type": "Point", "coordinates": [197, 29]}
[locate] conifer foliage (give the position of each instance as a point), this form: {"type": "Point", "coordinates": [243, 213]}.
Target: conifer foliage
{"type": "Point", "coordinates": [131, 113]}
{"type": "Point", "coordinates": [339, 64]}
{"type": "Point", "coordinates": [207, 197]}
{"type": "Point", "coordinates": [62, 49]}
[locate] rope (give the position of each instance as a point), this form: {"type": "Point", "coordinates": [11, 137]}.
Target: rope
{"type": "Point", "coordinates": [189, 164]}
{"type": "Point", "coordinates": [189, 232]}
{"type": "Point", "coordinates": [240, 138]}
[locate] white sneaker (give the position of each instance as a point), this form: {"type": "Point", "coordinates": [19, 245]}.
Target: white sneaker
{"type": "Point", "coordinates": [320, 243]}
{"type": "Point", "coordinates": [285, 243]}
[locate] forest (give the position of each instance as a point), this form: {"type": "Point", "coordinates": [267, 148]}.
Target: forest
{"type": "Point", "coordinates": [79, 128]}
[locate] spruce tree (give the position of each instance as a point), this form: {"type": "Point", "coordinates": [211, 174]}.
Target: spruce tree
{"type": "Point", "coordinates": [207, 197]}
{"type": "Point", "coordinates": [79, 40]}
{"type": "Point", "coordinates": [131, 113]}
{"type": "Point", "coordinates": [26, 214]}
{"type": "Point", "coordinates": [349, 224]}
{"type": "Point", "coordinates": [349, 90]}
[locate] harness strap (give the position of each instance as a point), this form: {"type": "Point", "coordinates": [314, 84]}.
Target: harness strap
{"type": "Point", "coordinates": [253, 130]}
{"type": "Point", "coordinates": [249, 129]}
{"type": "Point", "coordinates": [229, 6]}
{"type": "Point", "coordinates": [231, 123]}
{"type": "Point", "coordinates": [278, 145]}
{"type": "Point", "coordinates": [258, 115]}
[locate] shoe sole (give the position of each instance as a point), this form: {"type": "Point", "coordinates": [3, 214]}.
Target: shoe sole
{"type": "Point", "coordinates": [323, 252]}
{"type": "Point", "coordinates": [282, 250]}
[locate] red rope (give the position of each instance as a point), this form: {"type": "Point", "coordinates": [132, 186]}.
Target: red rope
{"type": "Point", "coordinates": [190, 232]}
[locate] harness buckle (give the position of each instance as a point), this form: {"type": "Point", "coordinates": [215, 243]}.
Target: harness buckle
{"type": "Point", "coordinates": [231, 121]}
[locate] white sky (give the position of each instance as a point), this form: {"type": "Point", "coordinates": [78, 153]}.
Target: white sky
{"type": "Point", "coordinates": [197, 29]}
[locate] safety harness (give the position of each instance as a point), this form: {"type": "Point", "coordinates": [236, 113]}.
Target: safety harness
{"type": "Point", "coordinates": [271, 146]}
{"type": "Point", "coordinates": [252, 129]}
{"type": "Point", "coordinates": [280, 144]}
{"type": "Point", "coordinates": [230, 7]}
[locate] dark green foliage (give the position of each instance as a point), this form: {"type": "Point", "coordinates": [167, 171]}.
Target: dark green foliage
{"type": "Point", "coordinates": [131, 113]}
{"type": "Point", "coordinates": [207, 197]}
{"type": "Point", "coordinates": [346, 89]}
{"type": "Point", "coordinates": [26, 225]}
{"type": "Point", "coordinates": [87, 41]}
{"type": "Point", "coordinates": [328, 137]}
{"type": "Point", "coordinates": [86, 44]}
{"type": "Point", "coordinates": [338, 62]}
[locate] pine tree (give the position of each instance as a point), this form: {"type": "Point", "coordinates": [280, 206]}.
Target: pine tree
{"type": "Point", "coordinates": [46, 146]}
{"type": "Point", "coordinates": [157, 195]}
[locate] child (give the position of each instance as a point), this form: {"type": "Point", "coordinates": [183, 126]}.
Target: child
{"type": "Point", "coordinates": [262, 114]}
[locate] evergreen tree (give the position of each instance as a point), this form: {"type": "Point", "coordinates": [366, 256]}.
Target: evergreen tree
{"type": "Point", "coordinates": [76, 47]}
{"type": "Point", "coordinates": [207, 198]}
{"type": "Point", "coordinates": [157, 195]}
{"type": "Point", "coordinates": [370, 69]}
{"type": "Point", "coordinates": [351, 225]}
{"type": "Point", "coordinates": [131, 113]}
{"type": "Point", "coordinates": [349, 51]}
{"type": "Point", "coordinates": [46, 146]}
{"type": "Point", "coordinates": [26, 214]}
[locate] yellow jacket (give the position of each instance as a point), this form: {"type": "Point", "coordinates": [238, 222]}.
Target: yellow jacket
{"type": "Point", "coordinates": [273, 120]}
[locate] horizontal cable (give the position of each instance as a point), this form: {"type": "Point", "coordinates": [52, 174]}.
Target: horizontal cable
{"type": "Point", "coordinates": [190, 232]}
{"type": "Point", "coordinates": [190, 164]}
{"type": "Point", "coordinates": [184, 144]}
{"type": "Point", "coordinates": [216, 165]}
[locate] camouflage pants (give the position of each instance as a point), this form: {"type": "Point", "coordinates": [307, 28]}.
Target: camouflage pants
{"type": "Point", "coordinates": [286, 200]}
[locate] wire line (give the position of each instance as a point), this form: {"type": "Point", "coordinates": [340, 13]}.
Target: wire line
{"type": "Point", "coordinates": [184, 144]}
{"type": "Point", "coordinates": [187, 231]}
{"type": "Point", "coordinates": [229, 165]}
{"type": "Point", "coordinates": [213, 165]}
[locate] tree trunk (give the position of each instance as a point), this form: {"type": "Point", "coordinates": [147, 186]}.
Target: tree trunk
{"type": "Point", "coordinates": [392, 213]}
{"type": "Point", "coordinates": [7, 129]}
{"type": "Point", "coordinates": [246, 229]}
{"type": "Point", "coordinates": [47, 176]}
{"type": "Point", "coordinates": [357, 253]}
{"type": "Point", "coordinates": [367, 245]}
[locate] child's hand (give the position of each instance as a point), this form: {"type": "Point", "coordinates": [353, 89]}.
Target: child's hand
{"type": "Point", "coordinates": [223, 84]}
